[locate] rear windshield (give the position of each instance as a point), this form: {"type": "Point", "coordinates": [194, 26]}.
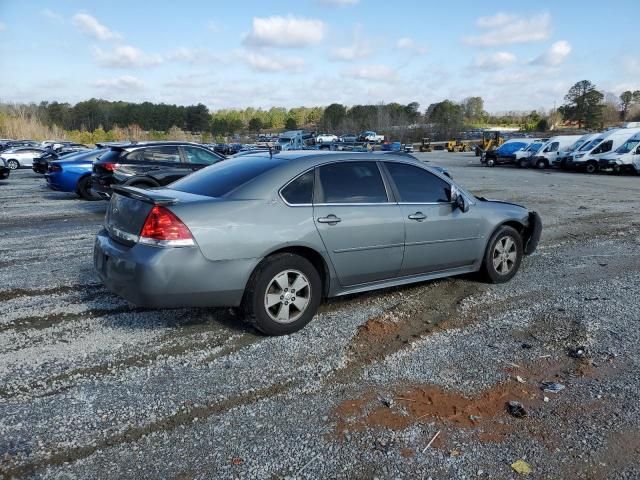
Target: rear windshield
{"type": "Point", "coordinates": [224, 177]}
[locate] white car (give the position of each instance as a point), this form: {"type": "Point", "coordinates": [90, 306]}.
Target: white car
{"type": "Point", "coordinates": [21, 156]}
{"type": "Point", "coordinates": [326, 138]}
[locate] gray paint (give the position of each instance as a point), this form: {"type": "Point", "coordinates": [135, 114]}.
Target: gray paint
{"type": "Point", "coordinates": [373, 246]}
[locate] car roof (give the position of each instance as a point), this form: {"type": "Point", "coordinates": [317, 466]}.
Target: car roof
{"type": "Point", "coordinates": [135, 145]}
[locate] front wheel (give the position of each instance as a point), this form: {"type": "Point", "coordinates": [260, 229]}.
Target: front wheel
{"type": "Point", "coordinates": [503, 256]}
{"type": "Point", "coordinates": [283, 294]}
{"type": "Point", "coordinates": [591, 167]}
{"type": "Point", "coordinates": [13, 164]}
{"type": "Point", "coordinates": [541, 164]}
{"type": "Point", "coordinates": [491, 162]}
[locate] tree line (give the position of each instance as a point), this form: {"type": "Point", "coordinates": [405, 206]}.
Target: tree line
{"type": "Point", "coordinates": [584, 104]}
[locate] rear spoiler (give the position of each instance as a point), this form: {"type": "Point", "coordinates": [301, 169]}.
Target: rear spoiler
{"type": "Point", "coordinates": [147, 196]}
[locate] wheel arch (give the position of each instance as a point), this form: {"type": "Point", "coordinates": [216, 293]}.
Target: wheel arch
{"type": "Point", "coordinates": [142, 180]}
{"type": "Point", "coordinates": [312, 255]}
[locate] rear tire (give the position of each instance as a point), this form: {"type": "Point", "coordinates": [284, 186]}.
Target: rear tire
{"type": "Point", "coordinates": [283, 294]}
{"type": "Point", "coordinates": [503, 256]}
{"type": "Point", "coordinates": [13, 164]}
{"type": "Point", "coordinates": [523, 163]}
{"type": "Point", "coordinates": [84, 189]}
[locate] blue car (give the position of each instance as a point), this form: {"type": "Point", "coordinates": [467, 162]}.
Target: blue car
{"type": "Point", "coordinates": [73, 174]}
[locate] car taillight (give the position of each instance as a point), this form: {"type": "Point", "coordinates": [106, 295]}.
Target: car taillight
{"type": "Point", "coordinates": [110, 166]}
{"type": "Point", "coordinates": [54, 168]}
{"type": "Point", "coordinates": [163, 229]}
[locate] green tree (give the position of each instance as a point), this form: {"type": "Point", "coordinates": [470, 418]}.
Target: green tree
{"type": "Point", "coordinates": [333, 116]}
{"type": "Point", "coordinates": [447, 118]}
{"type": "Point", "coordinates": [583, 104]}
{"type": "Point", "coordinates": [255, 124]}
{"type": "Point", "coordinates": [291, 124]}
{"type": "Point", "coordinates": [473, 109]}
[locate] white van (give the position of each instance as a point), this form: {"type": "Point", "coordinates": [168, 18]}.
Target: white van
{"type": "Point", "coordinates": [522, 156]}
{"type": "Point", "coordinates": [561, 159]}
{"type": "Point", "coordinates": [550, 151]}
{"type": "Point", "coordinates": [626, 158]}
{"type": "Point", "coordinates": [588, 156]}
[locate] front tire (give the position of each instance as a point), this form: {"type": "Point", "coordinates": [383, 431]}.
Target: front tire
{"type": "Point", "coordinates": [283, 294]}
{"type": "Point", "coordinates": [541, 164]}
{"type": "Point", "coordinates": [503, 256]}
{"type": "Point", "coordinates": [13, 164]}
{"type": "Point", "coordinates": [591, 167]}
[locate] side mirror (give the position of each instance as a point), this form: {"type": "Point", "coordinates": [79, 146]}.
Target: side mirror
{"type": "Point", "coordinates": [462, 204]}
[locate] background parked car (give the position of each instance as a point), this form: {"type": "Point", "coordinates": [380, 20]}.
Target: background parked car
{"type": "Point", "coordinates": [326, 138]}
{"type": "Point", "coordinates": [73, 173]}
{"type": "Point", "coordinates": [41, 164]}
{"type": "Point", "coordinates": [21, 156]}
{"type": "Point", "coordinates": [4, 170]}
{"type": "Point", "coordinates": [349, 138]}
{"type": "Point", "coordinates": [148, 164]}
{"type": "Point", "coordinates": [505, 153]}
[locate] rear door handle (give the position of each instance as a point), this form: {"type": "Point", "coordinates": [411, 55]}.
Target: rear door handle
{"type": "Point", "coordinates": [419, 216]}
{"type": "Point", "coordinates": [330, 219]}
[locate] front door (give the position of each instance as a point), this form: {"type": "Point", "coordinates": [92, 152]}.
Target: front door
{"type": "Point", "coordinates": [438, 236]}
{"type": "Point", "coordinates": [362, 231]}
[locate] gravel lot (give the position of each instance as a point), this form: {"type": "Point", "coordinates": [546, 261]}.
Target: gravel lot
{"type": "Point", "coordinates": [91, 387]}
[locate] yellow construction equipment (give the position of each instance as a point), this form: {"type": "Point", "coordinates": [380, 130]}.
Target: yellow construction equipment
{"type": "Point", "coordinates": [490, 141]}
{"type": "Point", "coordinates": [458, 145]}
{"type": "Point", "coordinates": [425, 146]}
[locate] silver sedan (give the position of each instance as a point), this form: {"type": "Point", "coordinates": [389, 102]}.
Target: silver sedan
{"type": "Point", "coordinates": [277, 234]}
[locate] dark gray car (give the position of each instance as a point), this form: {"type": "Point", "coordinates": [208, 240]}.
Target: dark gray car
{"type": "Point", "coordinates": [278, 234]}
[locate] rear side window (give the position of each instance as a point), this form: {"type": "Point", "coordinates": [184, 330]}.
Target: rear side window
{"type": "Point", "coordinates": [352, 182]}
{"type": "Point", "coordinates": [224, 177]}
{"type": "Point", "coordinates": [200, 156]}
{"type": "Point", "coordinates": [416, 185]}
{"type": "Point", "coordinates": [167, 154]}
{"type": "Point", "coordinates": [300, 190]}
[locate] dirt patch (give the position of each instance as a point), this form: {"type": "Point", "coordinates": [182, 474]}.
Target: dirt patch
{"type": "Point", "coordinates": [485, 412]}
{"type": "Point", "coordinates": [429, 308]}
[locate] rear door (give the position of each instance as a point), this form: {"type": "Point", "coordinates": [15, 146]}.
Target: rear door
{"type": "Point", "coordinates": [162, 163]}
{"type": "Point", "coordinates": [362, 229]}
{"type": "Point", "coordinates": [438, 235]}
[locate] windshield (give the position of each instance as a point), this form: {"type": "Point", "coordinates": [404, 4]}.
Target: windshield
{"type": "Point", "coordinates": [284, 140]}
{"type": "Point", "coordinates": [534, 147]}
{"type": "Point", "coordinates": [591, 144]}
{"type": "Point", "coordinates": [627, 146]}
{"type": "Point", "coordinates": [576, 145]}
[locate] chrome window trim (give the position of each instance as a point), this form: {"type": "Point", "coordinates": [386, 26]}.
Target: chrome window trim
{"type": "Point", "coordinates": [342, 204]}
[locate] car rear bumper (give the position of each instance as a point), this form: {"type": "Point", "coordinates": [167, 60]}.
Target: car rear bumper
{"type": "Point", "coordinates": [169, 277]}
{"type": "Point", "coordinates": [4, 172]}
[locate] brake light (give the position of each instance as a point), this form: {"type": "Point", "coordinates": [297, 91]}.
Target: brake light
{"type": "Point", "coordinates": [110, 166]}
{"type": "Point", "coordinates": [163, 229]}
{"type": "Point", "coordinates": [54, 168]}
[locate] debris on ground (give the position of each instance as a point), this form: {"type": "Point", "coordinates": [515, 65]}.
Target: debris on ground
{"type": "Point", "coordinates": [516, 409]}
{"type": "Point", "coordinates": [552, 387]}
{"type": "Point", "coordinates": [521, 467]}
{"type": "Point", "coordinates": [578, 352]}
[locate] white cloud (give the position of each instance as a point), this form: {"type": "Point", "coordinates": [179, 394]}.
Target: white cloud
{"type": "Point", "coordinates": [51, 15]}
{"type": "Point", "coordinates": [289, 32]}
{"type": "Point", "coordinates": [378, 73]}
{"type": "Point", "coordinates": [409, 44]}
{"type": "Point", "coordinates": [340, 3]}
{"type": "Point", "coordinates": [89, 25]}
{"type": "Point", "coordinates": [126, 56]}
{"type": "Point", "coordinates": [557, 54]}
{"type": "Point", "coordinates": [359, 49]}
{"type": "Point", "coordinates": [516, 78]}
{"type": "Point", "coordinates": [125, 82]}
{"type": "Point", "coordinates": [265, 63]}
{"type": "Point", "coordinates": [506, 29]}
{"type": "Point", "coordinates": [191, 55]}
{"type": "Point", "coordinates": [494, 61]}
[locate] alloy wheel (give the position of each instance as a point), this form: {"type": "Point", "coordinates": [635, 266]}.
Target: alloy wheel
{"type": "Point", "coordinates": [287, 296]}
{"type": "Point", "coordinates": [504, 255]}
{"type": "Point", "coordinates": [12, 164]}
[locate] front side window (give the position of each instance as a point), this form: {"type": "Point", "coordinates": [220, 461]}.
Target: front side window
{"type": "Point", "coordinates": [417, 185]}
{"type": "Point", "coordinates": [352, 182]}
{"type": "Point", "coordinates": [300, 190]}
{"type": "Point", "coordinates": [200, 156]}
{"type": "Point", "coordinates": [604, 147]}
{"type": "Point", "coordinates": [627, 146]}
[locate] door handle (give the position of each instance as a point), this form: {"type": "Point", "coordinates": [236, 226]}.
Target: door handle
{"type": "Point", "coordinates": [330, 219]}
{"type": "Point", "coordinates": [419, 216]}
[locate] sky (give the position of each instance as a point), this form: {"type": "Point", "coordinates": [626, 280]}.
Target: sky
{"type": "Point", "coordinates": [516, 55]}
